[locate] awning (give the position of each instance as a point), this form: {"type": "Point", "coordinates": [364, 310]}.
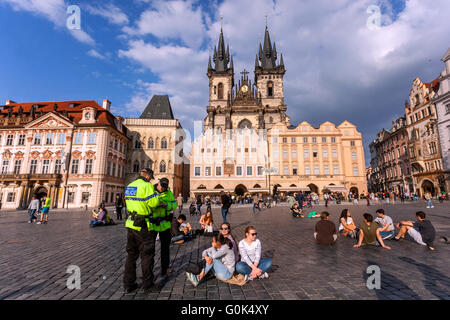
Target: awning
{"type": "Point", "coordinates": [293, 189]}
{"type": "Point", "coordinates": [211, 191]}
{"type": "Point", "coordinates": [258, 190]}
{"type": "Point", "coordinates": [335, 188]}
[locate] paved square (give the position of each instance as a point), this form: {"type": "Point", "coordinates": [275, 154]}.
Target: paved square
{"type": "Point", "coordinates": [34, 258]}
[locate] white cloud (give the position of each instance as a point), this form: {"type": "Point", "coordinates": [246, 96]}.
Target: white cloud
{"type": "Point", "coordinates": [110, 12]}
{"type": "Point", "coordinates": [82, 36]}
{"type": "Point", "coordinates": [95, 54]}
{"type": "Point", "coordinates": [171, 20]}
{"type": "Point", "coordinates": [53, 10]}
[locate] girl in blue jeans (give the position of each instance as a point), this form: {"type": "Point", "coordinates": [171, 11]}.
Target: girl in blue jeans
{"type": "Point", "coordinates": [219, 259]}
{"type": "Point", "coordinates": [251, 264]}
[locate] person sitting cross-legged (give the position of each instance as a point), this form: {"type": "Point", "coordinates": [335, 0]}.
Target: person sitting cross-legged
{"type": "Point", "coordinates": [178, 236]}
{"type": "Point", "coordinates": [422, 231]}
{"type": "Point", "coordinates": [347, 227]}
{"type": "Point", "coordinates": [297, 212]}
{"type": "Point", "coordinates": [387, 225]}
{"type": "Point", "coordinates": [369, 232]}
{"type": "Point", "coordinates": [219, 258]}
{"type": "Point", "coordinates": [325, 230]}
{"type": "Point", "coordinates": [100, 218]}
{"type": "Point", "coordinates": [251, 264]}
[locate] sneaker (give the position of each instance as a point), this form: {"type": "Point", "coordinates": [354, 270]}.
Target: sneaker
{"type": "Point", "coordinates": [38, 222]}
{"type": "Point", "coordinates": [149, 290]}
{"type": "Point", "coordinates": [264, 275]}
{"type": "Point", "coordinates": [29, 221]}
{"type": "Point", "coordinates": [431, 248]}
{"type": "Point", "coordinates": [192, 278]}
{"type": "Point", "coordinates": [131, 289]}
{"type": "Point", "coordinates": [432, 206]}
{"type": "Point", "coordinates": [248, 278]}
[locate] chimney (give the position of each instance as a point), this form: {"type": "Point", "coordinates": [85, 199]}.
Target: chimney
{"type": "Point", "coordinates": [106, 104]}
{"type": "Point", "coordinates": [8, 102]}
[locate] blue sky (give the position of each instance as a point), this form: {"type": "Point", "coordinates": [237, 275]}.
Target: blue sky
{"type": "Point", "coordinates": [337, 67]}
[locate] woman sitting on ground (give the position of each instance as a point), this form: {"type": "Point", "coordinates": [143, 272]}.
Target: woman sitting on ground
{"type": "Point", "coordinates": [100, 218]}
{"type": "Point", "coordinates": [347, 227]}
{"type": "Point", "coordinates": [225, 230]}
{"type": "Point", "coordinates": [251, 264]}
{"type": "Point", "coordinates": [219, 258]}
{"type": "Point", "coordinates": [296, 212]}
{"type": "Point", "coordinates": [206, 221]}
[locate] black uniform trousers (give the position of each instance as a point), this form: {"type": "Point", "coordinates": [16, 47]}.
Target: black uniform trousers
{"type": "Point", "coordinates": [119, 213]}
{"type": "Point", "coordinates": [142, 243]}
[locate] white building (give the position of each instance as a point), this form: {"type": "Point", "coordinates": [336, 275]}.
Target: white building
{"type": "Point", "coordinates": [442, 102]}
{"type": "Point", "coordinates": [74, 151]}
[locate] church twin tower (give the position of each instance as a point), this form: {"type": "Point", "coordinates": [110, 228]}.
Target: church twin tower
{"type": "Point", "coordinates": [257, 105]}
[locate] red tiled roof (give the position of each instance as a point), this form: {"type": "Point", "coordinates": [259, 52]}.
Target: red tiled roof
{"type": "Point", "coordinates": [104, 117]}
{"type": "Point", "coordinates": [432, 83]}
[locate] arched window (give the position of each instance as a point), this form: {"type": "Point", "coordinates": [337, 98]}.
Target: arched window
{"type": "Point", "coordinates": [136, 166]}
{"type": "Point", "coordinates": [150, 164]}
{"type": "Point", "coordinates": [151, 143]}
{"type": "Point", "coordinates": [137, 143]}
{"type": "Point", "coordinates": [162, 167]}
{"type": "Point", "coordinates": [163, 143]}
{"type": "Point", "coordinates": [245, 124]}
{"type": "Point", "coordinates": [220, 91]}
{"type": "Point", "coordinates": [270, 89]}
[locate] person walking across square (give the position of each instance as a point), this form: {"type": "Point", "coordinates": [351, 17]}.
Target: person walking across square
{"type": "Point", "coordinates": [33, 208]}
{"type": "Point", "coordinates": [45, 210]}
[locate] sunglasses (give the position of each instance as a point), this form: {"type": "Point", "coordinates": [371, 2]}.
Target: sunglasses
{"type": "Point", "coordinates": [254, 234]}
{"type": "Point", "coordinates": [224, 229]}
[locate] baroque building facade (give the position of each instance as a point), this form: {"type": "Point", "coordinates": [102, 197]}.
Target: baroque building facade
{"type": "Point", "coordinates": [157, 143]}
{"type": "Point", "coordinates": [74, 151]}
{"type": "Point", "coordinates": [442, 102]}
{"type": "Point", "coordinates": [423, 142]}
{"type": "Point", "coordinates": [249, 146]}
{"type": "Point", "coordinates": [390, 169]}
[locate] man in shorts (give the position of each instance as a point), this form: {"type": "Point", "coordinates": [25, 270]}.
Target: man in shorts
{"type": "Point", "coordinates": [422, 231]}
{"type": "Point", "coordinates": [386, 225]}
{"type": "Point", "coordinates": [45, 210]}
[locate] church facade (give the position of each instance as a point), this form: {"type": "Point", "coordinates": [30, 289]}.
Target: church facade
{"type": "Point", "coordinates": [244, 144]}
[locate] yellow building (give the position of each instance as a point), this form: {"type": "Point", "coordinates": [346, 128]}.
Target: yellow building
{"type": "Point", "coordinates": [324, 159]}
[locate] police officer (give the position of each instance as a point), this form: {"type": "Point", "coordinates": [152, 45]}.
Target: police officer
{"type": "Point", "coordinates": [141, 201]}
{"type": "Point", "coordinates": [161, 223]}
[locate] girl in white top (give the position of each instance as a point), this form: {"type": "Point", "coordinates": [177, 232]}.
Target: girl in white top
{"type": "Point", "coordinates": [347, 227]}
{"type": "Point", "coordinates": [251, 264]}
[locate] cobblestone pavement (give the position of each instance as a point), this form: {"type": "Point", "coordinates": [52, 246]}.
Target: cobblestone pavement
{"type": "Point", "coordinates": [34, 259]}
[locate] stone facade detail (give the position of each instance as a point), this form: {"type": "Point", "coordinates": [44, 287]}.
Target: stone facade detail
{"type": "Point", "coordinates": [53, 151]}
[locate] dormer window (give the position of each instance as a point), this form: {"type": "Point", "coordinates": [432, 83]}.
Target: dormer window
{"type": "Point", "coordinates": [87, 116]}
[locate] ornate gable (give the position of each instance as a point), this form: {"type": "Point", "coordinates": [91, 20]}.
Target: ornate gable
{"type": "Point", "coordinates": [49, 121]}
{"type": "Point", "coordinates": [47, 154]}
{"type": "Point", "coordinates": [6, 155]}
